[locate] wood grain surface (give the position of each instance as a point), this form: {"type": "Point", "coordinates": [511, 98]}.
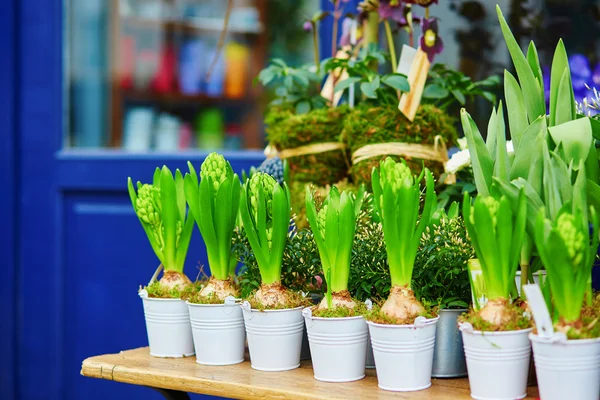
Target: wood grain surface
{"type": "Point", "coordinates": [240, 381]}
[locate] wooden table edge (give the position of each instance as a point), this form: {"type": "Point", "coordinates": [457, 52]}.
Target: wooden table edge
{"type": "Point", "coordinates": [119, 373]}
{"type": "Point", "coordinates": [95, 367]}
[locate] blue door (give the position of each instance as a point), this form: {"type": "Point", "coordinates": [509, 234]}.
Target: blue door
{"type": "Point", "coordinates": [75, 251]}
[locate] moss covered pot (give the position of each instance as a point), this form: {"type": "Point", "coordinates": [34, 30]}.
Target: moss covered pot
{"type": "Point", "coordinates": [369, 125]}
{"type": "Point", "coordinates": [289, 133]}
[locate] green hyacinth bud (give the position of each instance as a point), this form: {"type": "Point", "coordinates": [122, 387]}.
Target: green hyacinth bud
{"type": "Point", "coordinates": [321, 218]}
{"type": "Point", "coordinates": [267, 183]}
{"type": "Point", "coordinates": [395, 174]}
{"type": "Point", "coordinates": [148, 204]}
{"type": "Point", "coordinates": [214, 166]}
{"type": "Point", "coordinates": [574, 239]}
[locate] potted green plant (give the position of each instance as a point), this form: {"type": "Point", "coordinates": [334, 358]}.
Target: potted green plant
{"type": "Point", "coordinates": [402, 330]}
{"type": "Point", "coordinates": [495, 336]}
{"type": "Point", "coordinates": [160, 208]}
{"type": "Point", "coordinates": [337, 332]}
{"type": "Point", "coordinates": [217, 321]}
{"type": "Point", "coordinates": [273, 314]}
{"type": "Point", "coordinates": [568, 361]}
{"type": "Point", "coordinates": [441, 277]}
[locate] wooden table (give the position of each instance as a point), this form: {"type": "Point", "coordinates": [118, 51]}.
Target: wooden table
{"type": "Point", "coordinates": [176, 377]}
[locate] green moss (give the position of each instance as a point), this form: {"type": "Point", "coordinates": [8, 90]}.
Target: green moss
{"type": "Point", "coordinates": [340, 312]}
{"type": "Point", "coordinates": [375, 315]}
{"type": "Point", "coordinates": [295, 300]}
{"type": "Point", "coordinates": [286, 130]}
{"type": "Point", "coordinates": [192, 294]}
{"type": "Point", "coordinates": [517, 322]}
{"type": "Point", "coordinates": [370, 125]}
{"type": "Point", "coordinates": [156, 290]}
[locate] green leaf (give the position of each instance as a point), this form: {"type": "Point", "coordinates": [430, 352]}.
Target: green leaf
{"type": "Point", "coordinates": [560, 63]}
{"type": "Point", "coordinates": [369, 88]}
{"type": "Point", "coordinates": [435, 91]}
{"type": "Point", "coordinates": [481, 161]}
{"type": "Point", "coordinates": [565, 104]}
{"type": "Point", "coordinates": [398, 82]}
{"type": "Point", "coordinates": [515, 106]}
{"type": "Point", "coordinates": [492, 131]}
{"type": "Point", "coordinates": [168, 199]}
{"type": "Point", "coordinates": [534, 64]}
{"type": "Point", "coordinates": [281, 222]}
{"type": "Point", "coordinates": [532, 93]}
{"type": "Point", "coordinates": [302, 107]}
{"type": "Point", "coordinates": [576, 139]}
{"type": "Point", "coordinates": [502, 165]}
{"type": "Point", "coordinates": [521, 164]}
{"type": "Point", "coordinates": [459, 96]}
{"type": "Point", "coordinates": [346, 83]}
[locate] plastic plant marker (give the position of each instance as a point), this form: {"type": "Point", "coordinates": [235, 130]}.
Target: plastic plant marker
{"type": "Point", "coordinates": [335, 76]}
{"type": "Point", "coordinates": [541, 316]}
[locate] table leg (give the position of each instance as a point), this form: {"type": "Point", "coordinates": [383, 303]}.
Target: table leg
{"type": "Point", "coordinates": [172, 394]}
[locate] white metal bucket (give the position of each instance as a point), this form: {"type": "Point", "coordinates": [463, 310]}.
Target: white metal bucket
{"type": "Point", "coordinates": [168, 327]}
{"type": "Point", "coordinates": [338, 347]}
{"type": "Point", "coordinates": [497, 362]}
{"type": "Point", "coordinates": [567, 369]}
{"type": "Point", "coordinates": [274, 337]}
{"type": "Point", "coordinates": [218, 330]}
{"type": "Point", "coordinates": [370, 362]}
{"type": "Point", "coordinates": [404, 354]}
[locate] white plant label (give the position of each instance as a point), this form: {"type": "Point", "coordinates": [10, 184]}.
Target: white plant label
{"type": "Point", "coordinates": [407, 55]}
{"type": "Point", "coordinates": [541, 316]}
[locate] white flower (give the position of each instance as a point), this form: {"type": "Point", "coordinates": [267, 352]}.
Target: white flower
{"type": "Point", "coordinates": [458, 161]}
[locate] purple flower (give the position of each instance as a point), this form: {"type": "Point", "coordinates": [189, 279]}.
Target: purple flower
{"type": "Point", "coordinates": [429, 40]}
{"type": "Point", "coordinates": [308, 26]}
{"type": "Point", "coordinates": [393, 11]}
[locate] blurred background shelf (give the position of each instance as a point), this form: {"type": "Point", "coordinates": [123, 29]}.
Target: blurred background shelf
{"type": "Point", "coordinates": [197, 25]}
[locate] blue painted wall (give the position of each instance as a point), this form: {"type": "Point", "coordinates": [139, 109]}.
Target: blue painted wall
{"type": "Point", "coordinates": [74, 250]}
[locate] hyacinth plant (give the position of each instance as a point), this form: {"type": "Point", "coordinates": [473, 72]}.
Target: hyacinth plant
{"type": "Point", "coordinates": [214, 204]}
{"type": "Point", "coordinates": [161, 209]}
{"type": "Point", "coordinates": [568, 250]}
{"type": "Point", "coordinates": [265, 211]}
{"type": "Point", "coordinates": [533, 132]}
{"type": "Point", "coordinates": [397, 201]}
{"type": "Point", "coordinates": [496, 233]}
{"type": "Point", "coordinates": [333, 227]}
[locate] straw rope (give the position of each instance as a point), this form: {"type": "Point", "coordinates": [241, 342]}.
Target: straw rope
{"type": "Point", "coordinates": [436, 152]}
{"type": "Point", "coordinates": [314, 148]}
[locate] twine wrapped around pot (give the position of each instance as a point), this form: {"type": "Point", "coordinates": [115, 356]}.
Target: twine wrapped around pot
{"type": "Point", "coordinates": [314, 148]}
{"type": "Point", "coordinates": [436, 152]}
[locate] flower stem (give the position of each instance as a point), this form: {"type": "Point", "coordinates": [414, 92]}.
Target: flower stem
{"type": "Point", "coordinates": [427, 13]}
{"type": "Point", "coordinates": [390, 40]}
{"type": "Point", "coordinates": [316, 47]}
{"type": "Point", "coordinates": [335, 27]}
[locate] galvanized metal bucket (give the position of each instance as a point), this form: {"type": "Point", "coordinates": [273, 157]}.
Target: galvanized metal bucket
{"type": "Point", "coordinates": [448, 355]}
